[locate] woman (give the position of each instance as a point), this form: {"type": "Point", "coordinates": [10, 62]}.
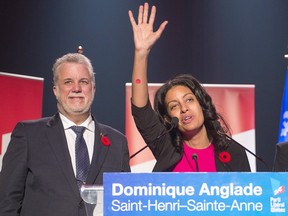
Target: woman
{"type": "Point", "coordinates": [198, 143]}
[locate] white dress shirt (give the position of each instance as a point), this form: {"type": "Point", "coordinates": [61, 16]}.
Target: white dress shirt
{"type": "Point", "coordinates": [89, 136]}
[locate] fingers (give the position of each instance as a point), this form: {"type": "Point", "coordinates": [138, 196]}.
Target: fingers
{"type": "Point", "coordinates": [140, 14]}
{"type": "Point", "coordinates": [152, 15]}
{"type": "Point", "coordinates": [143, 17]}
{"type": "Point", "coordinates": [145, 12]}
{"type": "Point", "coordinates": [131, 17]}
{"type": "Point", "coordinates": [161, 28]}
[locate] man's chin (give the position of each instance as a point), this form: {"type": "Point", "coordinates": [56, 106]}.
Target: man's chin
{"type": "Point", "coordinates": [78, 112]}
{"type": "Point", "coordinates": [74, 110]}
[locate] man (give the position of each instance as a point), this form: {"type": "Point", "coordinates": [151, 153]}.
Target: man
{"type": "Point", "coordinates": [40, 168]}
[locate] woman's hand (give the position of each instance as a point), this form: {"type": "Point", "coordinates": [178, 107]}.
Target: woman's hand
{"type": "Point", "coordinates": [144, 36]}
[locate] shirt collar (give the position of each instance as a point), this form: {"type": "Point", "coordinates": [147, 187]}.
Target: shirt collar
{"type": "Point", "coordinates": [88, 123]}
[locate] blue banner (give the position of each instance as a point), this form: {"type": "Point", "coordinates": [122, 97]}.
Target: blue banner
{"type": "Point", "coordinates": [195, 194]}
{"type": "Point", "coordinates": [283, 128]}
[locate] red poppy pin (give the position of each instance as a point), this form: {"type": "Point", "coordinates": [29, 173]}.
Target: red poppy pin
{"type": "Point", "coordinates": [224, 157]}
{"type": "Point", "coordinates": [105, 140]}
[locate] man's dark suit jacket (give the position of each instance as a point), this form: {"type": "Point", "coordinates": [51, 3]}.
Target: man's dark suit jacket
{"type": "Point", "coordinates": [37, 177]}
{"type": "Point", "coordinates": [281, 157]}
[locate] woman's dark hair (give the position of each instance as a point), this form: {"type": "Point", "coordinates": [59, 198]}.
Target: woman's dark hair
{"type": "Point", "coordinates": [211, 117]}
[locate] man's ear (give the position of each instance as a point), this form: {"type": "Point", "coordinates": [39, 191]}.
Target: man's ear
{"type": "Point", "coordinates": [54, 90]}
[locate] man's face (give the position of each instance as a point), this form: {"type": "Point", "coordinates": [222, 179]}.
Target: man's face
{"type": "Point", "coordinates": [74, 89]}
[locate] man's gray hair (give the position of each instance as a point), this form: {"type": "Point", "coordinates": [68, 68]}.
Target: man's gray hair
{"type": "Point", "coordinates": [72, 58]}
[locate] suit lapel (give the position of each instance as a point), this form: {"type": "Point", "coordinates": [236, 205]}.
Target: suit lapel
{"type": "Point", "coordinates": [58, 142]}
{"type": "Point", "coordinates": [99, 154]}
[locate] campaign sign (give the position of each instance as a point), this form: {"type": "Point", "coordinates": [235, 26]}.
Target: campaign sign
{"type": "Point", "coordinates": [195, 194]}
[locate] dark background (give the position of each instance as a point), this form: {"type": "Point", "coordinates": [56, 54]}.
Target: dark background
{"type": "Point", "coordinates": [218, 41]}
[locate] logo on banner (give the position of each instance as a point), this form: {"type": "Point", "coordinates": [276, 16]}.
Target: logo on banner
{"type": "Point", "coordinates": [280, 190]}
{"type": "Point", "coordinates": [284, 129]}
{"type": "Point", "coordinates": [276, 203]}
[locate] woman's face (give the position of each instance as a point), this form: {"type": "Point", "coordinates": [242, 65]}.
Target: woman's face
{"type": "Point", "coordinates": [182, 103]}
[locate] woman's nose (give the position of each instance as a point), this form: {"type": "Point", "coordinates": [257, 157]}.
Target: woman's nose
{"type": "Point", "coordinates": [183, 108]}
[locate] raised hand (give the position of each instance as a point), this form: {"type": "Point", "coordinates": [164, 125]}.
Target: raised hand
{"type": "Point", "coordinates": [144, 36]}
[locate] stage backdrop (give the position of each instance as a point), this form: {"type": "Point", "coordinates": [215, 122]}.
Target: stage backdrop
{"type": "Point", "coordinates": [21, 99]}
{"type": "Point", "coordinates": [234, 102]}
